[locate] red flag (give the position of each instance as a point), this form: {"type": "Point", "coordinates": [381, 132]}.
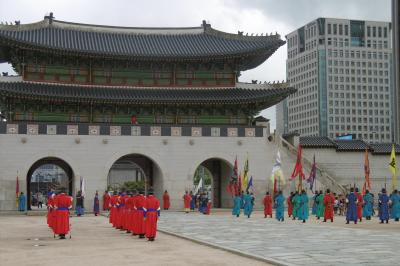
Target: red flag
{"type": "Point", "coordinates": [298, 168]}
{"type": "Point", "coordinates": [275, 185]}
{"type": "Point", "coordinates": [239, 184]}
{"type": "Point", "coordinates": [231, 188]}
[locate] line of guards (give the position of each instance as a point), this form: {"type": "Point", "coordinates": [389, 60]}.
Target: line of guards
{"type": "Point", "coordinates": [135, 213]}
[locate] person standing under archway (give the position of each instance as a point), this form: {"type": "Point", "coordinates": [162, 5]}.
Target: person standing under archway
{"type": "Point", "coordinates": [166, 202]}
{"type": "Point", "coordinates": [96, 204]}
{"type": "Point", "coordinates": [186, 201]}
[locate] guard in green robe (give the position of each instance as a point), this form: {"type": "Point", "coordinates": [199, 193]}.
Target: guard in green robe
{"type": "Point", "coordinates": [303, 208]}
{"type": "Point", "coordinates": [320, 205]}
{"type": "Point", "coordinates": [237, 204]}
{"type": "Point", "coordinates": [296, 205]}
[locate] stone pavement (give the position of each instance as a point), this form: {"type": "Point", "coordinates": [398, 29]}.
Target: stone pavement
{"type": "Point", "coordinates": [291, 242]}
{"type": "Point", "coordinates": [26, 241]}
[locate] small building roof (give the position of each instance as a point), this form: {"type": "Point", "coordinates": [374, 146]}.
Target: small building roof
{"type": "Point", "coordinates": [193, 43]}
{"type": "Point", "coordinates": [316, 142]}
{"type": "Point", "coordinates": [265, 97]}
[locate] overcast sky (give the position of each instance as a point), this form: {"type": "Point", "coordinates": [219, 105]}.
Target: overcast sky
{"type": "Point", "coordinates": [253, 16]}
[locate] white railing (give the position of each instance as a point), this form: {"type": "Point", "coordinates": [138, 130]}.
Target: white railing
{"type": "Point", "coordinates": [325, 178]}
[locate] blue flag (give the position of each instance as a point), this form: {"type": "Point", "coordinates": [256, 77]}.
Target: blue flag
{"type": "Point", "coordinates": [250, 184]}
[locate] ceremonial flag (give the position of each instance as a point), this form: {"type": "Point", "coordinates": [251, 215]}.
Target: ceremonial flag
{"type": "Point", "coordinates": [239, 185]}
{"type": "Point", "coordinates": [82, 186]}
{"type": "Point", "coordinates": [250, 184]}
{"type": "Point", "coordinates": [298, 169]}
{"type": "Point", "coordinates": [232, 185]}
{"type": "Point", "coordinates": [393, 168]}
{"type": "Point", "coordinates": [246, 172]}
{"type": "Point", "coordinates": [313, 174]}
{"type": "Point", "coordinates": [17, 192]}
{"type": "Point", "coordinates": [367, 182]}
{"type": "Point", "coordinates": [277, 174]}
{"type": "Point", "coordinates": [199, 185]}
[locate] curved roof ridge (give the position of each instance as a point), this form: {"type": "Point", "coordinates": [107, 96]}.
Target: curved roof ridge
{"type": "Point", "coordinates": [128, 30]}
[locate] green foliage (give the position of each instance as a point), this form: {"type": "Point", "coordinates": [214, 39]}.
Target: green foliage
{"type": "Point", "coordinates": [198, 174]}
{"type": "Point", "coordinates": [130, 185]}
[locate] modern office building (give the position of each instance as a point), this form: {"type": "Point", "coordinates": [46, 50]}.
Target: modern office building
{"type": "Point", "coordinates": [396, 66]}
{"type": "Point", "coordinates": [342, 72]}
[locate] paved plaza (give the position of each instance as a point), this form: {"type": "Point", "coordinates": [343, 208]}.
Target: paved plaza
{"type": "Point", "coordinates": [26, 241]}
{"type": "Point", "coordinates": [291, 242]}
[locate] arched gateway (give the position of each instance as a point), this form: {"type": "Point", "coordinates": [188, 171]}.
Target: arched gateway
{"type": "Point", "coordinates": [219, 171]}
{"type": "Point", "coordinates": [135, 168]}
{"type": "Point", "coordinates": [47, 174]}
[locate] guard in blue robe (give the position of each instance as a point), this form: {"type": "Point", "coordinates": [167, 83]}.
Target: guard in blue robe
{"type": "Point", "coordinates": [21, 202]}
{"type": "Point", "coordinates": [368, 205]}
{"type": "Point", "coordinates": [296, 205]}
{"type": "Point", "coordinates": [248, 206]}
{"type": "Point", "coordinates": [314, 205]}
{"type": "Point", "coordinates": [237, 204]}
{"type": "Point", "coordinates": [303, 206]}
{"type": "Point", "coordinates": [384, 206]}
{"type": "Point", "coordinates": [351, 214]}
{"type": "Point", "coordinates": [280, 207]}
{"type": "Point", "coordinates": [192, 202]}
{"type": "Point", "coordinates": [395, 199]}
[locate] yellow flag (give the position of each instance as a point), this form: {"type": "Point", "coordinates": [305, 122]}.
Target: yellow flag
{"type": "Point", "coordinates": [393, 167]}
{"type": "Point", "coordinates": [246, 172]}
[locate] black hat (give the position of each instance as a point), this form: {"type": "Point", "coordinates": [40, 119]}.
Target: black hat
{"type": "Point", "coordinates": [150, 192]}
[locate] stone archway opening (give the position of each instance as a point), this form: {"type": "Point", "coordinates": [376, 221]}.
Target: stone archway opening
{"type": "Point", "coordinates": [44, 175]}
{"type": "Point", "coordinates": [135, 168]}
{"type": "Point", "coordinates": [219, 172]}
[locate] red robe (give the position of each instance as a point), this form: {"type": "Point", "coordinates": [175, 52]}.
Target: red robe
{"type": "Point", "coordinates": [267, 205]}
{"type": "Point", "coordinates": [62, 203]}
{"type": "Point", "coordinates": [208, 210]}
{"type": "Point", "coordinates": [328, 201]}
{"type": "Point", "coordinates": [124, 213]}
{"type": "Point", "coordinates": [113, 209]}
{"type": "Point", "coordinates": [140, 201]}
{"type": "Point", "coordinates": [186, 201]}
{"type": "Point", "coordinates": [152, 206]}
{"type": "Point", "coordinates": [106, 201]}
{"type": "Point", "coordinates": [166, 203]}
{"type": "Point", "coordinates": [359, 205]}
{"type": "Point", "coordinates": [290, 206]}
{"type": "Point", "coordinates": [51, 212]}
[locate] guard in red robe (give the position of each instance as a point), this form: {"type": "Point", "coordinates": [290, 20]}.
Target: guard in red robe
{"type": "Point", "coordinates": [62, 204]}
{"type": "Point", "coordinates": [360, 203]}
{"type": "Point", "coordinates": [186, 201]}
{"type": "Point", "coordinates": [128, 212]}
{"type": "Point", "coordinates": [130, 204]}
{"type": "Point", "coordinates": [106, 201]}
{"type": "Point", "coordinates": [290, 204]}
{"type": "Point", "coordinates": [51, 212]}
{"type": "Point", "coordinates": [120, 211]}
{"type": "Point", "coordinates": [140, 201]}
{"type": "Point", "coordinates": [166, 203]}
{"type": "Point", "coordinates": [267, 205]}
{"type": "Point", "coordinates": [113, 209]}
{"type": "Point", "coordinates": [208, 209]}
{"type": "Point", "coordinates": [152, 208]}
{"type": "Point", "coordinates": [328, 202]}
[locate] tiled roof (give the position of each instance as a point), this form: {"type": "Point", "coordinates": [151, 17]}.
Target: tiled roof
{"type": "Point", "coordinates": [317, 142]}
{"type": "Point", "coordinates": [139, 43]}
{"type": "Point", "coordinates": [347, 145]}
{"type": "Point", "coordinates": [351, 145]}
{"type": "Point", "coordinates": [266, 97]}
{"type": "Point", "coordinates": [384, 148]}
